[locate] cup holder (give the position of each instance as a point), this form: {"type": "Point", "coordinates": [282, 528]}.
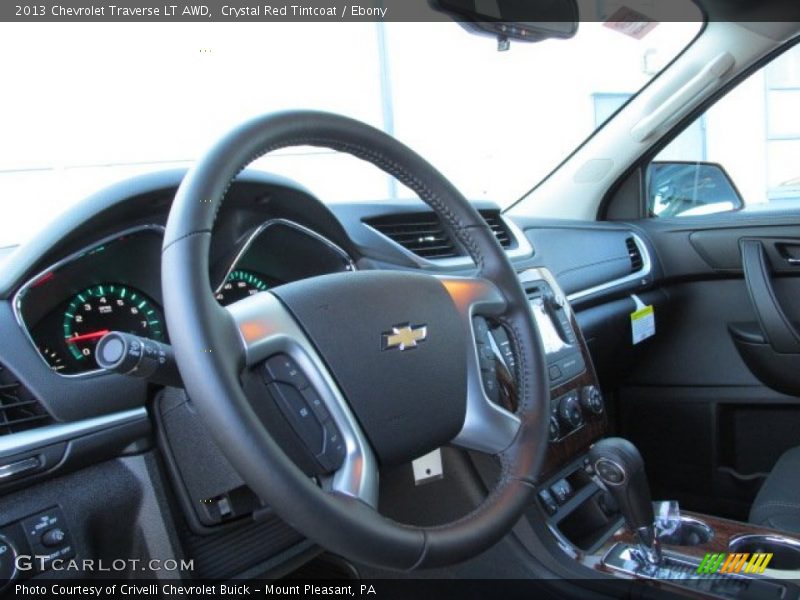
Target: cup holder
{"type": "Point", "coordinates": [785, 552]}
{"type": "Point", "coordinates": [689, 532]}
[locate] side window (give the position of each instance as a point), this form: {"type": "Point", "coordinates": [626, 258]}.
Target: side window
{"type": "Point", "coordinates": [743, 152]}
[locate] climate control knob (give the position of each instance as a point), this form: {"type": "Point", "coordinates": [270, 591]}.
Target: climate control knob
{"type": "Point", "coordinates": [592, 399]}
{"type": "Point", "coordinates": [8, 564]}
{"type": "Point", "coordinates": [569, 411]}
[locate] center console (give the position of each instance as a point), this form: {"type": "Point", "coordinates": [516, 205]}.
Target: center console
{"type": "Point", "coordinates": [577, 409]}
{"type": "Point", "coordinates": [578, 512]}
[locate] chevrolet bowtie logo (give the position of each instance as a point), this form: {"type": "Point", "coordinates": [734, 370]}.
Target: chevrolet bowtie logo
{"type": "Point", "coordinates": [404, 336]}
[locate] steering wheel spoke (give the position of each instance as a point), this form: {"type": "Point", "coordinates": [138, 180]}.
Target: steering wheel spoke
{"type": "Point", "coordinates": [266, 328]}
{"type": "Point", "coordinates": [488, 427]}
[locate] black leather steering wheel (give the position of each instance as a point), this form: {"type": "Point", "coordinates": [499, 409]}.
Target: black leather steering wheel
{"type": "Point", "coordinates": [390, 406]}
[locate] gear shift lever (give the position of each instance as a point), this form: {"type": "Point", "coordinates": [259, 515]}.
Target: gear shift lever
{"type": "Point", "coordinates": [618, 464]}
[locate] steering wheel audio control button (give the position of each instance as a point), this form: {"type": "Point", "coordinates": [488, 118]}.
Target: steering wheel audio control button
{"type": "Point", "coordinates": [332, 456]}
{"type": "Point", "coordinates": [283, 369]}
{"type": "Point", "coordinates": [481, 327]}
{"type": "Point", "coordinates": [299, 414]}
{"type": "Point", "coordinates": [315, 402]}
{"type": "Point", "coordinates": [486, 359]}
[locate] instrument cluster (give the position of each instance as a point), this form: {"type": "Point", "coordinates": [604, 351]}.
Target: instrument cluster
{"type": "Point", "coordinates": [114, 285]}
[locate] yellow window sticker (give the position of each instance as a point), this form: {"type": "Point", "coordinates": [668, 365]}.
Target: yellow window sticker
{"type": "Point", "coordinates": [643, 321]}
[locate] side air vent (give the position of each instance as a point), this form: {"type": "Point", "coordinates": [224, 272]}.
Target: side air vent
{"type": "Point", "coordinates": [421, 233]}
{"type": "Point", "coordinates": [498, 226]}
{"type": "Point", "coordinates": [19, 409]}
{"type": "Point", "coordinates": [635, 255]}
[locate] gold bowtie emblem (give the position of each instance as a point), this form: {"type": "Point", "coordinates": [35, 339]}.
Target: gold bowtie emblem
{"type": "Point", "coordinates": [404, 336]}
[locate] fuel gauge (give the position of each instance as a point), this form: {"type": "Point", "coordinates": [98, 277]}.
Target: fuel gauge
{"type": "Point", "coordinates": [53, 358]}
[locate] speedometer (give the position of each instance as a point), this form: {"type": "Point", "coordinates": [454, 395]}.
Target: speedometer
{"type": "Point", "coordinates": [108, 307]}
{"type": "Point", "coordinates": [240, 284]}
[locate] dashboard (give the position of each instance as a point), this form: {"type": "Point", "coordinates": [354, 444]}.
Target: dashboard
{"type": "Point", "coordinates": [98, 269]}
{"type": "Point", "coordinates": [78, 277]}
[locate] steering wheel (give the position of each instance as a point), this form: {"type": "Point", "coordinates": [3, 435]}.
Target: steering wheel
{"type": "Point", "coordinates": [356, 338]}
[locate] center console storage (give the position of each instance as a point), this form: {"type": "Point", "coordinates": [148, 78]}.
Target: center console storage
{"type": "Point", "coordinates": [583, 516]}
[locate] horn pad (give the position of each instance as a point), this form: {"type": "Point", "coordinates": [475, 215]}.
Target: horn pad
{"type": "Point", "coordinates": [396, 346]}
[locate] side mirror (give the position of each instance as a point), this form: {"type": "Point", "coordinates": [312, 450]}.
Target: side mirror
{"type": "Point", "coordinates": [684, 189]}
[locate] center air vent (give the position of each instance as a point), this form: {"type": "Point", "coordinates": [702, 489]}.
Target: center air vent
{"type": "Point", "coordinates": [635, 255]}
{"type": "Point", "coordinates": [498, 227]}
{"type": "Point", "coordinates": [421, 233]}
{"type": "Point", "coordinates": [19, 409]}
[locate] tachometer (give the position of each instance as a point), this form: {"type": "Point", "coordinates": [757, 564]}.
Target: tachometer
{"type": "Point", "coordinates": [108, 307]}
{"type": "Point", "coordinates": [240, 284]}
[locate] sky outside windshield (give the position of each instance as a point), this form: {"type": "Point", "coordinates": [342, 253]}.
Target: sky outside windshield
{"type": "Point", "coordinates": [86, 105]}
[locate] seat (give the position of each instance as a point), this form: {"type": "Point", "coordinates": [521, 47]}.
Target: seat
{"type": "Point", "coordinates": [777, 504]}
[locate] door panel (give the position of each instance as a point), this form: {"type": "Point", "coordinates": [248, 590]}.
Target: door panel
{"type": "Point", "coordinates": [709, 429]}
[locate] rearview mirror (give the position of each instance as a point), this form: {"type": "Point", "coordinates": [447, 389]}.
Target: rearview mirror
{"type": "Point", "coordinates": [520, 20]}
{"type": "Point", "coordinates": [683, 189]}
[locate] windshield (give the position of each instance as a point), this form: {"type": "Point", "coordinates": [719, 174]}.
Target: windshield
{"type": "Point", "coordinates": [86, 105]}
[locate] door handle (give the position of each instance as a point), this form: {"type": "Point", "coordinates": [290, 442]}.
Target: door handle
{"type": "Point", "coordinates": [776, 326]}
{"type": "Point", "coordinates": [789, 252]}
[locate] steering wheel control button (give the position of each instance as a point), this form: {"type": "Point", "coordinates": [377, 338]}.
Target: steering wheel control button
{"type": "Point", "coordinates": [486, 355]}
{"type": "Point", "coordinates": [299, 414]}
{"type": "Point", "coordinates": [609, 472]}
{"type": "Point", "coordinates": [284, 369]}
{"type": "Point", "coordinates": [315, 402]}
{"type": "Point", "coordinates": [481, 327]}
{"type": "Point", "coordinates": [333, 454]}
{"type": "Point", "coordinates": [486, 359]}
{"type": "Point", "coordinates": [491, 385]}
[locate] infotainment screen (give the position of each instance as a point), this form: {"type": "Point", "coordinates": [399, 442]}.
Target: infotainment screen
{"type": "Point", "coordinates": [547, 330]}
